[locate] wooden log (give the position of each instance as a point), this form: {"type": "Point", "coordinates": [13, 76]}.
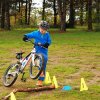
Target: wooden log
{"type": "Point", "coordinates": [29, 90]}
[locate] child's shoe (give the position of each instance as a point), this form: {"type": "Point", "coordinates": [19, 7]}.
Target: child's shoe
{"type": "Point", "coordinates": [39, 83]}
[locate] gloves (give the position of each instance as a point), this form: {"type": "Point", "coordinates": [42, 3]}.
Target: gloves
{"type": "Point", "coordinates": [46, 45]}
{"type": "Point", "coordinates": [25, 38]}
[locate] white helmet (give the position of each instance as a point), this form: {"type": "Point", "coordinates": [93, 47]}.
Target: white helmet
{"type": "Point", "coordinates": [44, 25]}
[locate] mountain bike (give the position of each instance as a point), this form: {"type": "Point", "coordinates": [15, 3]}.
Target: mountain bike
{"type": "Point", "coordinates": [36, 66]}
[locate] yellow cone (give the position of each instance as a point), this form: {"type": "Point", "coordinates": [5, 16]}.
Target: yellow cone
{"type": "Point", "coordinates": [83, 85]}
{"type": "Point", "coordinates": [12, 96]}
{"type": "Point", "coordinates": [47, 78]}
{"type": "Point", "coordinates": [54, 82]}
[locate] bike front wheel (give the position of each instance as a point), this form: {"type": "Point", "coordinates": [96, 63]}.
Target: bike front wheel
{"type": "Point", "coordinates": [37, 67]}
{"type": "Point", "coordinates": [10, 75]}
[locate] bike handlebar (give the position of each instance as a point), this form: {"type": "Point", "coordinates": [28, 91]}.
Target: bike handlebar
{"type": "Point", "coordinates": [36, 44]}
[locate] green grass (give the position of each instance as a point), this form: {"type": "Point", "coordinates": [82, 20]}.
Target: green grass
{"type": "Point", "coordinates": [72, 55]}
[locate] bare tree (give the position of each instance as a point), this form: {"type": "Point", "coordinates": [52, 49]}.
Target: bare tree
{"type": "Point", "coordinates": [62, 4]}
{"type": "Point", "coordinates": [72, 14]}
{"type": "Point", "coordinates": [7, 16]}
{"type": "Point", "coordinates": [2, 14]}
{"type": "Point", "coordinates": [97, 15]}
{"type": "Point", "coordinates": [55, 13]}
{"type": "Point", "coordinates": [26, 12]}
{"type": "Point", "coordinates": [30, 2]}
{"type": "Point", "coordinates": [90, 15]}
{"type": "Point", "coordinates": [81, 12]}
{"type": "Point", "coordinates": [43, 12]}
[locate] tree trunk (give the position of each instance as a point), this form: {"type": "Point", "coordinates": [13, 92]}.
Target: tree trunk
{"type": "Point", "coordinates": [62, 13]}
{"type": "Point", "coordinates": [90, 15]}
{"type": "Point", "coordinates": [29, 12]}
{"type": "Point", "coordinates": [63, 22]}
{"type": "Point", "coordinates": [97, 27]}
{"type": "Point", "coordinates": [98, 11]}
{"type": "Point", "coordinates": [7, 26]}
{"type": "Point", "coordinates": [3, 14]}
{"type": "Point", "coordinates": [0, 14]}
{"type": "Point", "coordinates": [81, 12]}
{"type": "Point", "coordinates": [26, 12]}
{"type": "Point", "coordinates": [72, 14]}
{"type": "Point", "coordinates": [15, 12]}
{"type": "Point", "coordinates": [21, 17]}
{"type": "Point", "coordinates": [19, 6]}
{"type": "Point", "coordinates": [43, 12]}
{"type": "Point", "coordinates": [55, 13]}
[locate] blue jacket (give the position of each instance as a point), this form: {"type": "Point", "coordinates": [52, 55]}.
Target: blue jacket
{"type": "Point", "coordinates": [40, 38]}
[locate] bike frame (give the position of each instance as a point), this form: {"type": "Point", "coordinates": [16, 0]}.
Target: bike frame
{"type": "Point", "coordinates": [25, 60]}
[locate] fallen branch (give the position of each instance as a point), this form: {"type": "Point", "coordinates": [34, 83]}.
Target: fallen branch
{"type": "Point", "coordinates": [29, 90]}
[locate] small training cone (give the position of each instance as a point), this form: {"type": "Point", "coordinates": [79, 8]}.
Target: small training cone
{"type": "Point", "coordinates": [67, 88]}
{"type": "Point", "coordinates": [47, 78]}
{"type": "Point", "coordinates": [83, 85]}
{"type": "Point", "coordinates": [12, 96]}
{"type": "Point", "coordinates": [54, 82]}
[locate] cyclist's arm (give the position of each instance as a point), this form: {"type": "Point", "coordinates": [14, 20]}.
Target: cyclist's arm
{"type": "Point", "coordinates": [31, 35]}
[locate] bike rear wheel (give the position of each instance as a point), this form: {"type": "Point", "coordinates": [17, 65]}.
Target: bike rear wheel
{"type": "Point", "coordinates": [37, 68]}
{"type": "Point", "coordinates": [10, 75]}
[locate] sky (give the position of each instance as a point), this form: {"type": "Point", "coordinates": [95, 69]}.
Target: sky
{"type": "Point", "coordinates": [39, 3]}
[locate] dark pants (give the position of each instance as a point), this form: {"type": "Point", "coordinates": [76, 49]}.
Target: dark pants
{"type": "Point", "coordinates": [44, 70]}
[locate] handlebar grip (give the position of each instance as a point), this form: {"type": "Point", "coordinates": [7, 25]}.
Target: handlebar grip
{"type": "Point", "coordinates": [37, 44]}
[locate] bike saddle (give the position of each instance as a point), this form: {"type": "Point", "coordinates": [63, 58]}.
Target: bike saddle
{"type": "Point", "coordinates": [20, 53]}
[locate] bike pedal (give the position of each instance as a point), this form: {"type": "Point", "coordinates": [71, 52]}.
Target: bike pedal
{"type": "Point", "coordinates": [23, 80]}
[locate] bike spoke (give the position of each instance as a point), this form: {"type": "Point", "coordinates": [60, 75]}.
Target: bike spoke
{"type": "Point", "coordinates": [10, 75]}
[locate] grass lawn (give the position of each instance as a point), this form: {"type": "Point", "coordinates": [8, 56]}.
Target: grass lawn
{"type": "Point", "coordinates": [72, 55]}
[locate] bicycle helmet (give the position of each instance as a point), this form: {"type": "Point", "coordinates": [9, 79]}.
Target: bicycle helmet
{"type": "Point", "coordinates": [44, 25]}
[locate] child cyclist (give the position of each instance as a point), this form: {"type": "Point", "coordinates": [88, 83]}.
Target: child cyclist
{"type": "Point", "coordinates": [41, 36]}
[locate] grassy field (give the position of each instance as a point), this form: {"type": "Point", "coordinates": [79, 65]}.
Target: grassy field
{"type": "Point", "coordinates": [72, 55]}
